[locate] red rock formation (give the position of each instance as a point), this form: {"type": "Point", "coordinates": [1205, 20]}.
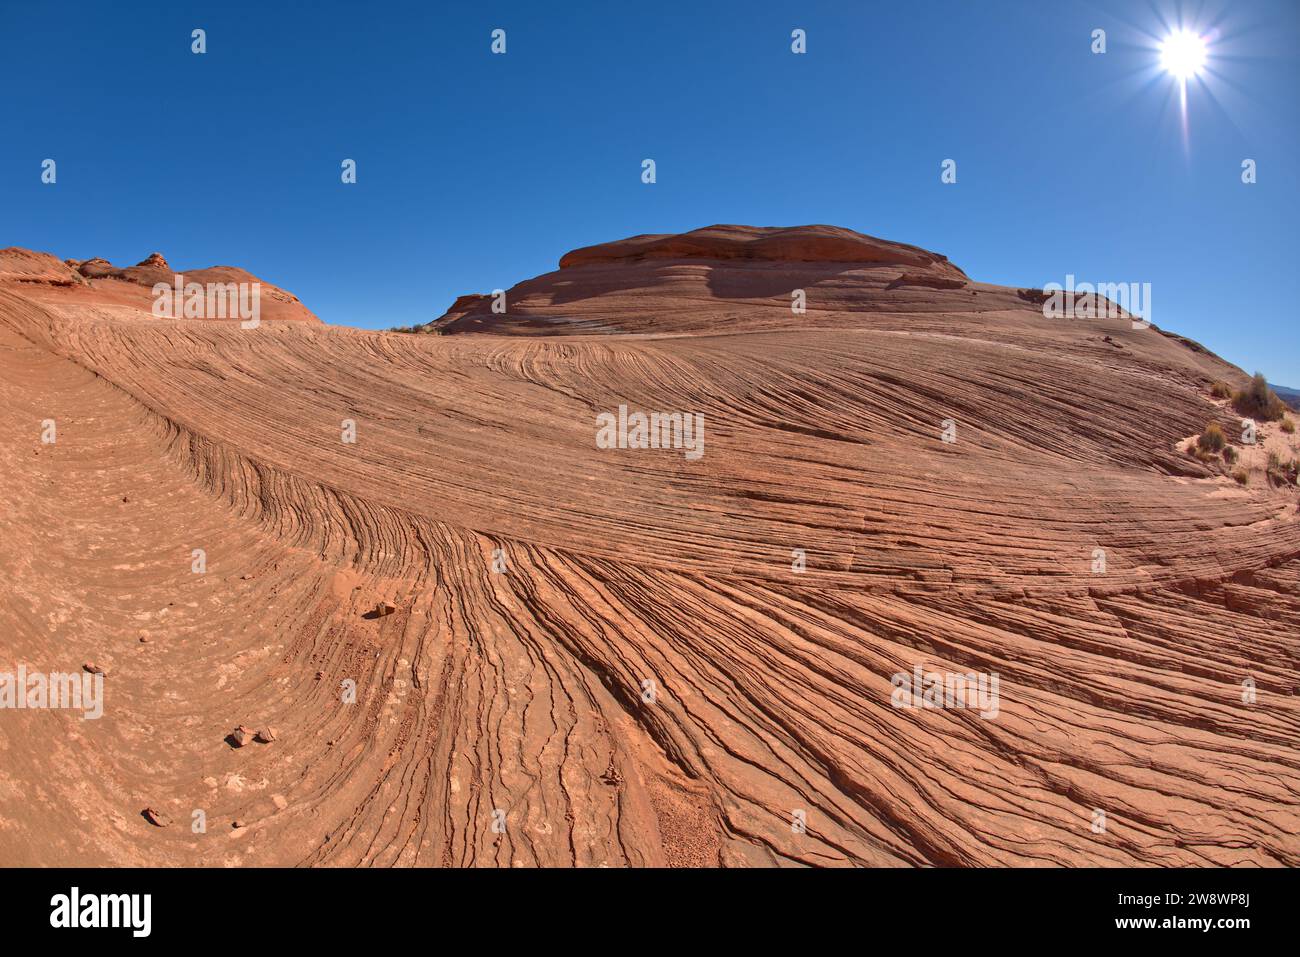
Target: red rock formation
{"type": "Point", "coordinates": [755, 244]}
{"type": "Point", "coordinates": [623, 656]}
{"type": "Point", "coordinates": [96, 284]}
{"type": "Point", "coordinates": [25, 266]}
{"type": "Point", "coordinates": [747, 275]}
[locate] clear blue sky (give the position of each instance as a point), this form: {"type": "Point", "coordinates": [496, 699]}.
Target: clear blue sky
{"type": "Point", "coordinates": [476, 171]}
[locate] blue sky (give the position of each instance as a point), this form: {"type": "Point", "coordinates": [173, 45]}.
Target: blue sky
{"type": "Point", "coordinates": [476, 170]}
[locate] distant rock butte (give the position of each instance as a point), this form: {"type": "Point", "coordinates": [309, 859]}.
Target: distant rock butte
{"type": "Point", "coordinates": [653, 284]}
{"type": "Point", "coordinates": [726, 279]}
{"type": "Point", "coordinates": [120, 292]}
{"type": "Point", "coordinates": [812, 244]}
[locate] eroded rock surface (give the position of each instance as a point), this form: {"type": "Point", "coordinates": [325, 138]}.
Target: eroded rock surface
{"type": "Point", "coordinates": [612, 656]}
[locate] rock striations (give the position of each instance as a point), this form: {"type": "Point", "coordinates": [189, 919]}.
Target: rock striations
{"type": "Point", "coordinates": [483, 639]}
{"type": "Point", "coordinates": [96, 286]}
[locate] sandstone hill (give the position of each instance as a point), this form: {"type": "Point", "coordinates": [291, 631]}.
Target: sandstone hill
{"type": "Point", "coordinates": [96, 286]}
{"type": "Point", "coordinates": [612, 656]}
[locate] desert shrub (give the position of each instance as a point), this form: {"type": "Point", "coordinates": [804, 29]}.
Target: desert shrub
{"type": "Point", "coordinates": [1221, 390]}
{"type": "Point", "coordinates": [1288, 425]}
{"type": "Point", "coordinates": [1282, 473]}
{"type": "Point", "coordinates": [1229, 454]}
{"type": "Point", "coordinates": [1240, 476]}
{"type": "Point", "coordinates": [1212, 439]}
{"type": "Point", "coordinates": [1258, 401]}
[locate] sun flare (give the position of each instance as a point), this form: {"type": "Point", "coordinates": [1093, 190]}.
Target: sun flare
{"type": "Point", "coordinates": [1182, 54]}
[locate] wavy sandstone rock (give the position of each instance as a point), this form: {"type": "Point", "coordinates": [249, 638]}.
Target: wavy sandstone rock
{"type": "Point", "coordinates": [97, 286]}
{"type": "Point", "coordinates": [605, 656]}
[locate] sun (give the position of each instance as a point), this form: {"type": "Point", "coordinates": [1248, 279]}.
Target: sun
{"type": "Point", "coordinates": [1182, 54]}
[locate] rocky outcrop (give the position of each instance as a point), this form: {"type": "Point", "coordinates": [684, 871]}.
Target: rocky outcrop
{"type": "Point", "coordinates": [808, 244]}
{"type": "Point", "coordinates": [726, 279]}
{"type": "Point", "coordinates": [632, 285]}
{"type": "Point", "coordinates": [25, 266]}
{"type": "Point", "coordinates": [96, 284]}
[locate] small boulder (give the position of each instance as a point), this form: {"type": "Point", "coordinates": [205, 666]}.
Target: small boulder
{"type": "Point", "coordinates": [383, 609]}
{"type": "Point", "coordinates": [156, 818]}
{"type": "Point", "coordinates": [265, 736]}
{"type": "Point", "coordinates": [240, 737]}
{"type": "Point", "coordinates": [94, 669]}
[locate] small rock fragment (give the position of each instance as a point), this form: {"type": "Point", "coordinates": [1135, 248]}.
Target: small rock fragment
{"type": "Point", "coordinates": [156, 818]}
{"type": "Point", "coordinates": [612, 776]}
{"type": "Point", "coordinates": [240, 736]}
{"type": "Point", "coordinates": [94, 669]}
{"type": "Point", "coordinates": [383, 609]}
{"type": "Point", "coordinates": [265, 736]}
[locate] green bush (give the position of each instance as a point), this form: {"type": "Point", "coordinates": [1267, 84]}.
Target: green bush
{"type": "Point", "coordinates": [1212, 439]}
{"type": "Point", "coordinates": [1258, 401]}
